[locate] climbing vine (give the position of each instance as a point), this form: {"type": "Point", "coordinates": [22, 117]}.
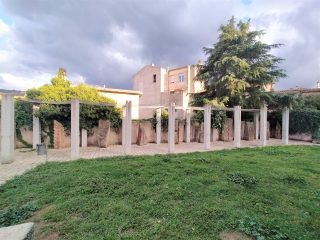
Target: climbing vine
{"type": "Point", "coordinates": [164, 119]}
{"type": "Point", "coordinates": [302, 121]}
{"type": "Point", "coordinates": [23, 119]}
{"type": "Point", "coordinates": [218, 118]}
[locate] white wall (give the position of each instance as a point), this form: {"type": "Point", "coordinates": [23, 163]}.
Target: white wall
{"type": "Point", "coordinates": [121, 99]}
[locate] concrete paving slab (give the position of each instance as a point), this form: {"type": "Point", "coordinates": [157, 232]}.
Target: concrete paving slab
{"type": "Point", "coordinates": [17, 232]}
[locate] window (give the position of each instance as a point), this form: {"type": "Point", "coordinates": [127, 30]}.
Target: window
{"type": "Point", "coordinates": [181, 77]}
{"type": "Point", "coordinates": [154, 77]}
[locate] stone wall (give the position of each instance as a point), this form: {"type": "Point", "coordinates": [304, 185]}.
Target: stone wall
{"type": "Point", "coordinates": [114, 136]}
{"type": "Point", "coordinates": [249, 131]}
{"type": "Point", "coordinates": [307, 137]}
{"type": "Point", "coordinates": [26, 136]}
{"type": "Point", "coordinates": [227, 133]}
{"type": "Point", "coordinates": [59, 140]}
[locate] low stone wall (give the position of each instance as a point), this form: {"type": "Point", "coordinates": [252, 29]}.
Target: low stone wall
{"type": "Point", "coordinates": [62, 140]}
{"type": "Point", "coordinates": [26, 136]}
{"type": "Point", "coordinates": [306, 137]}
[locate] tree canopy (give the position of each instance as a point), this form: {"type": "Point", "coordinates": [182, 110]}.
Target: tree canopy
{"type": "Point", "coordinates": [61, 89]}
{"type": "Point", "coordinates": [239, 66]}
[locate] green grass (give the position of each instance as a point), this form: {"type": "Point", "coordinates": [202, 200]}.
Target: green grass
{"type": "Point", "coordinates": [271, 192]}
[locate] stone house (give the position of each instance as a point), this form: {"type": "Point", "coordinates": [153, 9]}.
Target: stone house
{"type": "Point", "coordinates": [161, 86]}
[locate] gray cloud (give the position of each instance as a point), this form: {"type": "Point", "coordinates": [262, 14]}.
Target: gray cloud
{"type": "Point", "coordinates": [106, 42]}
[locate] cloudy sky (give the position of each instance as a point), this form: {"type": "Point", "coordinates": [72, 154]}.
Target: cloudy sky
{"type": "Point", "coordinates": [106, 41]}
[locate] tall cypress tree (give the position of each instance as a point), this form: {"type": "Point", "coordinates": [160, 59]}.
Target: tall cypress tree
{"type": "Point", "coordinates": [239, 66]}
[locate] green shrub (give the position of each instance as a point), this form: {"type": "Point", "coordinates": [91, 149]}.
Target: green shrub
{"type": "Point", "coordinates": [164, 119]}
{"type": "Point", "coordinates": [293, 180]}
{"type": "Point", "coordinates": [218, 118]}
{"type": "Point", "coordinates": [261, 231]}
{"type": "Point", "coordinates": [304, 121]}
{"type": "Point", "coordinates": [14, 215]}
{"type": "Point", "coordinates": [240, 179]}
{"type": "Point", "coordinates": [61, 90]}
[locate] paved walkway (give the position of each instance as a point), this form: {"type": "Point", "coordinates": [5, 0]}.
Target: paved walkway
{"type": "Point", "coordinates": [26, 159]}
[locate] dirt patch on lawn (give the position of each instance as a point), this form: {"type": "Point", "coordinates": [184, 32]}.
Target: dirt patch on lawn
{"type": "Point", "coordinates": [234, 236]}
{"type": "Point", "coordinates": [50, 236]}
{"type": "Point", "coordinates": [37, 218]}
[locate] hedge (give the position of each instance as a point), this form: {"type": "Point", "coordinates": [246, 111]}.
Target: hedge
{"type": "Point", "coordinates": [305, 121]}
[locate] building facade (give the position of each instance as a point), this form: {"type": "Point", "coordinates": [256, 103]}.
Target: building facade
{"type": "Point", "coordinates": [162, 86]}
{"type": "Point", "coordinates": [121, 96]}
{"type": "Point", "coordinates": [303, 91]}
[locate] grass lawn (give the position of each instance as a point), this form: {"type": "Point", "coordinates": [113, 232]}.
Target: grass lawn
{"type": "Point", "coordinates": [271, 192]}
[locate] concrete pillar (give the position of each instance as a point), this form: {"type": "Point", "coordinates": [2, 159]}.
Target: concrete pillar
{"type": "Point", "coordinates": [285, 126]}
{"type": "Point", "coordinates": [188, 125]}
{"type": "Point", "coordinates": [158, 126]}
{"type": "Point", "coordinates": [207, 127]}
{"type": "Point", "coordinates": [171, 130]}
{"type": "Point", "coordinates": [263, 125]}
{"type": "Point", "coordinates": [237, 126]}
{"type": "Point", "coordinates": [128, 129]}
{"type": "Point", "coordinates": [7, 128]}
{"type": "Point", "coordinates": [36, 130]}
{"type": "Point", "coordinates": [123, 125]}
{"type": "Point", "coordinates": [75, 129]}
{"type": "Point", "coordinates": [84, 138]}
{"type": "Point", "coordinates": [256, 123]}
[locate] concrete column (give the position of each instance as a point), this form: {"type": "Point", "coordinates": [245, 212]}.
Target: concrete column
{"type": "Point", "coordinates": [84, 138]}
{"type": "Point", "coordinates": [158, 126]}
{"type": "Point", "coordinates": [188, 125]}
{"type": "Point", "coordinates": [237, 126]}
{"type": "Point", "coordinates": [128, 128]}
{"type": "Point", "coordinates": [285, 126]}
{"type": "Point", "coordinates": [207, 127]}
{"type": "Point", "coordinates": [7, 129]}
{"type": "Point", "coordinates": [171, 130]}
{"type": "Point", "coordinates": [36, 130]}
{"type": "Point", "coordinates": [123, 125]}
{"type": "Point", "coordinates": [75, 129]}
{"type": "Point", "coordinates": [263, 125]}
{"type": "Point", "coordinates": [256, 123]}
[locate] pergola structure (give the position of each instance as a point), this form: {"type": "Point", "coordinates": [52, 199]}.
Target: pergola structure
{"type": "Point", "coordinates": [8, 125]}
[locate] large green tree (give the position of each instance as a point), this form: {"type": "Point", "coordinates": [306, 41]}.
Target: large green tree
{"type": "Point", "coordinates": [239, 66]}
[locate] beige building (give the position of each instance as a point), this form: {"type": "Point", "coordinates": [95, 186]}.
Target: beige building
{"type": "Point", "coordinates": [160, 86]}
{"type": "Point", "coordinates": [121, 96]}
{"type": "Point", "coordinates": [303, 91]}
